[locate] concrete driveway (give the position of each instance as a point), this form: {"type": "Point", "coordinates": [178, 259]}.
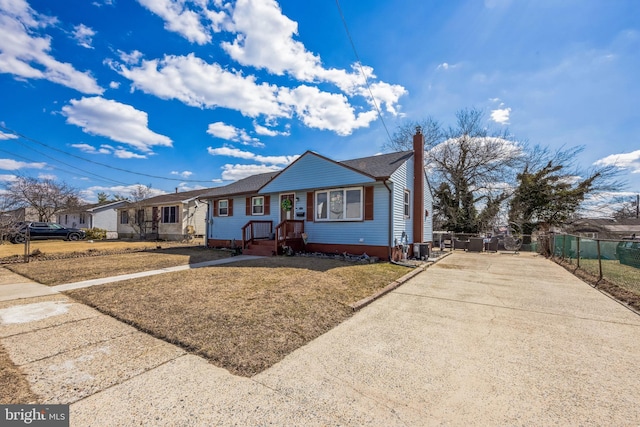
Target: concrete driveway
{"type": "Point", "coordinates": [476, 339]}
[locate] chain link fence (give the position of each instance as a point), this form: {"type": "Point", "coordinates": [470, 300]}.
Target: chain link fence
{"type": "Point", "coordinates": [614, 261]}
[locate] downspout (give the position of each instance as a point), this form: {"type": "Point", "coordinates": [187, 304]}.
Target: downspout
{"type": "Point", "coordinates": [207, 225]}
{"type": "Point", "coordinates": [390, 234]}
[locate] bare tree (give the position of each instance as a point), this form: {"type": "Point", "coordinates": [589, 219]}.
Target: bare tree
{"type": "Point", "coordinates": [470, 166]}
{"type": "Point", "coordinates": [136, 212]}
{"type": "Point", "coordinates": [8, 217]}
{"type": "Point", "coordinates": [627, 209]}
{"type": "Point", "coordinates": [45, 196]}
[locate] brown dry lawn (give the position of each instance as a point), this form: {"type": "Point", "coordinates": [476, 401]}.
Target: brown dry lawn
{"type": "Point", "coordinates": [15, 388]}
{"type": "Point", "coordinates": [63, 248]}
{"type": "Point", "coordinates": [244, 316]}
{"type": "Point", "coordinates": [59, 271]}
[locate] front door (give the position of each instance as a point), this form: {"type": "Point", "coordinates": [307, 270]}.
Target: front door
{"type": "Point", "coordinates": [284, 213]}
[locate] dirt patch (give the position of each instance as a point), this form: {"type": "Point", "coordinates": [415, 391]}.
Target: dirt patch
{"type": "Point", "coordinates": [56, 272]}
{"type": "Point", "coordinates": [15, 387]}
{"type": "Point", "coordinates": [246, 316]}
{"type": "Point", "coordinates": [619, 293]}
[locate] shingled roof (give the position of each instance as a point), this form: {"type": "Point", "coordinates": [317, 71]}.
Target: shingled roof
{"type": "Point", "coordinates": [381, 166]}
{"type": "Point", "coordinates": [164, 199]}
{"type": "Point", "coordinates": [250, 184]}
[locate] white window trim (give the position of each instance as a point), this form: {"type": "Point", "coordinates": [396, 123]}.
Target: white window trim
{"type": "Point", "coordinates": [344, 191]}
{"type": "Point", "coordinates": [177, 217]}
{"type": "Point", "coordinates": [406, 203]}
{"type": "Point", "coordinates": [253, 206]}
{"type": "Point", "coordinates": [220, 207]}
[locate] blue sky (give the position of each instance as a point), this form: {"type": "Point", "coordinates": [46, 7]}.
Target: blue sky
{"type": "Point", "coordinates": [108, 94]}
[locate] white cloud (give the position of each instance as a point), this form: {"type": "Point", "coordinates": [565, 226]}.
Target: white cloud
{"type": "Point", "coordinates": [111, 119]}
{"type": "Point", "coordinates": [629, 161]}
{"type": "Point", "coordinates": [12, 165]}
{"type": "Point", "coordinates": [232, 133]}
{"type": "Point", "coordinates": [26, 55]}
{"type": "Point", "coordinates": [194, 25]}
{"type": "Point", "coordinates": [199, 84]}
{"type": "Point", "coordinates": [47, 176]}
{"type": "Point", "coordinates": [263, 130]}
{"type": "Point", "coordinates": [7, 136]}
{"type": "Point", "coordinates": [121, 153]}
{"type": "Point", "coordinates": [7, 178]}
{"type": "Point", "coordinates": [236, 172]}
{"type": "Point", "coordinates": [83, 35]}
{"type": "Point", "coordinates": [122, 190]}
{"type": "Point", "coordinates": [328, 111]}
{"type": "Point", "coordinates": [114, 85]}
{"type": "Point", "coordinates": [446, 66]}
{"type": "Point", "coordinates": [264, 39]}
{"type": "Point", "coordinates": [384, 94]}
{"type": "Point", "coordinates": [131, 58]}
{"type": "Point", "coordinates": [501, 115]}
{"type": "Point", "coordinates": [222, 130]}
{"type": "Point", "coordinates": [234, 152]}
{"type": "Point", "coordinates": [184, 174]}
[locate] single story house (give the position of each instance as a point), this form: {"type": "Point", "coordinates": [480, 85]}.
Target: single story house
{"type": "Point", "coordinates": [374, 205]}
{"type": "Point", "coordinates": [603, 228]}
{"type": "Point", "coordinates": [166, 217]}
{"type": "Point", "coordinates": [98, 215]}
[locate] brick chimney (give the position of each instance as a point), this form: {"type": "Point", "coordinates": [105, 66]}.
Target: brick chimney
{"type": "Point", "coordinates": [418, 186]}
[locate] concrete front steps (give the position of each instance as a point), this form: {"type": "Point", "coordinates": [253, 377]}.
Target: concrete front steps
{"type": "Point", "coordinates": [260, 248]}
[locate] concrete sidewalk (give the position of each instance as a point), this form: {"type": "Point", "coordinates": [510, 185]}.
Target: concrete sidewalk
{"type": "Point", "coordinates": [14, 286]}
{"type": "Point", "coordinates": [476, 339]}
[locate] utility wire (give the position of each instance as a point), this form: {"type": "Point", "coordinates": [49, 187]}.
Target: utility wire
{"type": "Point", "coordinates": [94, 162]}
{"type": "Point", "coordinates": [364, 75]}
{"type": "Point", "coordinates": [101, 178]}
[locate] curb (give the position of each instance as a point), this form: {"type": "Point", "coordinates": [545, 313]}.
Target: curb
{"type": "Point", "coordinates": [393, 285]}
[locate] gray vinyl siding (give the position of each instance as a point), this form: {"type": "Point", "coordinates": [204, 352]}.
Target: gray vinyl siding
{"type": "Point", "coordinates": [312, 171]}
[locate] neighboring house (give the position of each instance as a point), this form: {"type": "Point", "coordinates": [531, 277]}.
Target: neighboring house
{"type": "Point", "coordinates": [165, 217]}
{"type": "Point", "coordinates": [99, 215]}
{"type": "Point", "coordinates": [22, 214]}
{"type": "Point", "coordinates": [369, 205]}
{"type": "Point", "coordinates": [604, 228]}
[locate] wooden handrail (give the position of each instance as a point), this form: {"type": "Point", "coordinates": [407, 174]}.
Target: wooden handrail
{"type": "Point", "coordinates": [286, 227]}
{"type": "Point", "coordinates": [255, 230]}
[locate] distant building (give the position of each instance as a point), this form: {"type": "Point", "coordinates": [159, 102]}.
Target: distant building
{"type": "Point", "coordinates": [604, 228]}
{"type": "Point", "coordinates": [99, 215]}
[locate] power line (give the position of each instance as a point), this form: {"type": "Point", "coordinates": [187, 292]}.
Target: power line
{"type": "Point", "coordinates": [364, 75]}
{"type": "Point", "coordinates": [100, 178]}
{"type": "Point", "coordinates": [94, 162]}
{"type": "Point", "coordinates": [105, 179]}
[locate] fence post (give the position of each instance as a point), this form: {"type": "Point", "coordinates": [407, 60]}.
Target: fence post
{"type": "Point", "coordinates": [578, 250]}
{"type": "Point", "coordinates": [564, 245]}
{"type": "Point", "coordinates": [599, 261]}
